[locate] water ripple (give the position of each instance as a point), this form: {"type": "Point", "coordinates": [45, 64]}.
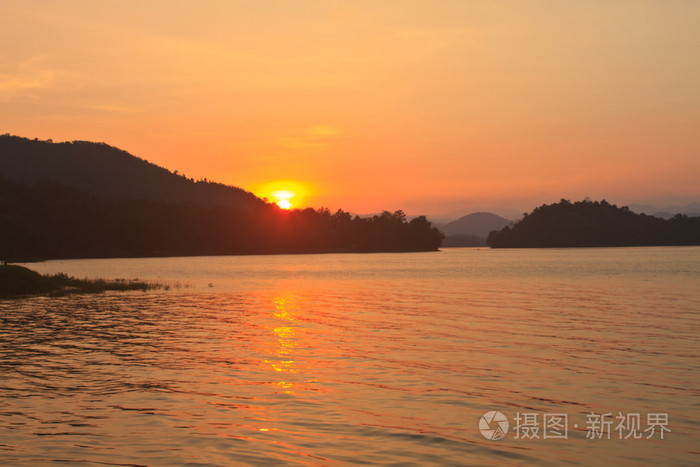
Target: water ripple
{"type": "Point", "coordinates": [349, 367]}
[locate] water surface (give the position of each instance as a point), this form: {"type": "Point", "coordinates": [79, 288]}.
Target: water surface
{"type": "Point", "coordinates": [335, 359]}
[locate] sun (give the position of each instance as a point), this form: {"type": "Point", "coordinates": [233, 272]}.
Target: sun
{"type": "Point", "coordinates": [283, 197]}
{"type": "Point", "coordinates": [286, 194]}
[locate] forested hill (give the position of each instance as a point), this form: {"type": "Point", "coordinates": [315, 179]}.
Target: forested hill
{"type": "Point", "coordinates": [594, 224]}
{"type": "Point", "coordinates": [109, 172]}
{"type": "Point", "coordinates": [90, 200]}
{"type": "Point", "coordinates": [49, 221]}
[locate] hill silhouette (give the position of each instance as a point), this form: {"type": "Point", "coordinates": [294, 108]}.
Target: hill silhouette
{"type": "Point", "coordinates": [666, 212]}
{"type": "Point", "coordinates": [477, 223]}
{"type": "Point", "coordinates": [110, 172]}
{"type": "Point", "coordinates": [588, 223]}
{"type": "Point", "coordinates": [52, 209]}
{"type": "Point", "coordinates": [472, 229]}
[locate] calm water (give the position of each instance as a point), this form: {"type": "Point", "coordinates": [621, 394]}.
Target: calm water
{"type": "Point", "coordinates": [374, 359]}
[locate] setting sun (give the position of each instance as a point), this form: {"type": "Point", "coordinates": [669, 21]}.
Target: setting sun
{"type": "Point", "coordinates": [282, 194]}
{"type": "Point", "coordinates": [285, 193]}
{"type": "Point", "coordinates": [283, 197]}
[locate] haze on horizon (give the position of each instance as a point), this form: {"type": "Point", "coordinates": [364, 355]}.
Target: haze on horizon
{"type": "Point", "coordinates": [364, 105]}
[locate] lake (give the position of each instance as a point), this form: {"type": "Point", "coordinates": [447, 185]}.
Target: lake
{"type": "Point", "coordinates": [458, 357]}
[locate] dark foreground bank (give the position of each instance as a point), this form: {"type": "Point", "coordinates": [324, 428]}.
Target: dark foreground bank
{"type": "Point", "coordinates": [17, 281]}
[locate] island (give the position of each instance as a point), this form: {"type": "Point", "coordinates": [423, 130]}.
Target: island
{"type": "Point", "coordinates": [594, 224]}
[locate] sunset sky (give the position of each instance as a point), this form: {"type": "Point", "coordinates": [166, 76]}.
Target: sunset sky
{"type": "Point", "coordinates": [429, 107]}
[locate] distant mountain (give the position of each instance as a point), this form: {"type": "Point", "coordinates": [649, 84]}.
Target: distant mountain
{"type": "Point", "coordinates": [108, 172]}
{"type": "Point", "coordinates": [447, 217]}
{"type": "Point", "coordinates": [478, 224]}
{"type": "Point", "coordinates": [666, 212]}
{"type": "Point", "coordinates": [663, 215]}
{"type": "Point", "coordinates": [588, 224]}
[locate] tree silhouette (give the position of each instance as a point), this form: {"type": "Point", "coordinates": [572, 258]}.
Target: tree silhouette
{"type": "Point", "coordinates": [594, 223]}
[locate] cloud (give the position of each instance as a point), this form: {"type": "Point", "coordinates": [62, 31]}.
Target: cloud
{"type": "Point", "coordinates": [32, 76]}
{"type": "Point", "coordinates": [23, 84]}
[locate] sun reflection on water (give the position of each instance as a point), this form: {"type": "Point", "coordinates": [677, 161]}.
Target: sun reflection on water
{"type": "Point", "coordinates": [287, 334]}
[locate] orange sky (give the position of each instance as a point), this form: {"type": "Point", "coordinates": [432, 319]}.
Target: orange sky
{"type": "Point", "coordinates": [367, 105]}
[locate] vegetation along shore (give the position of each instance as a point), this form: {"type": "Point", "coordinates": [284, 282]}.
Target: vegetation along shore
{"type": "Point", "coordinates": [16, 281]}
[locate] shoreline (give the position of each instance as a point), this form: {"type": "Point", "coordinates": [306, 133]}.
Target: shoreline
{"type": "Point", "coordinates": [19, 281]}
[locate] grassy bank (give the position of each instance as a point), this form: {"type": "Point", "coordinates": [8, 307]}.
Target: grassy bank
{"type": "Point", "coordinates": [17, 281]}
